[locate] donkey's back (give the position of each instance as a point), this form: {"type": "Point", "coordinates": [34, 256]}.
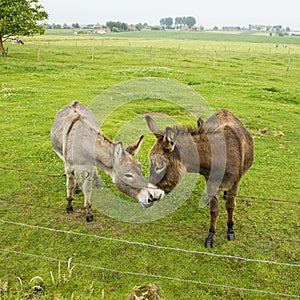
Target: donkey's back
{"type": "Point", "coordinates": [65, 120]}
{"type": "Point", "coordinates": [238, 141]}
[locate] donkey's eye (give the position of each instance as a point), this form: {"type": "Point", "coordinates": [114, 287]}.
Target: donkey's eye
{"type": "Point", "coordinates": [128, 175]}
{"type": "Point", "coordinates": [159, 169]}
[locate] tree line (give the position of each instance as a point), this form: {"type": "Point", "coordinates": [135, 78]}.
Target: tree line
{"type": "Point", "coordinates": [179, 22]}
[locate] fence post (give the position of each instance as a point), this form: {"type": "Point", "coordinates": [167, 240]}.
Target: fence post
{"type": "Point", "coordinates": [288, 66]}
{"type": "Point", "coordinates": [215, 58]}
{"type": "Point", "coordinates": [38, 53]}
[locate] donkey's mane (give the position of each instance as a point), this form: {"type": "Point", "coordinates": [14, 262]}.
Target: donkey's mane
{"type": "Point", "coordinates": [187, 129]}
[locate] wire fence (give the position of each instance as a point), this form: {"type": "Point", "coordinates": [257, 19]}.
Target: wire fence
{"type": "Point", "coordinates": [197, 232]}
{"type": "Point", "coordinates": [240, 258]}
{"type": "Point", "coordinates": [156, 276]}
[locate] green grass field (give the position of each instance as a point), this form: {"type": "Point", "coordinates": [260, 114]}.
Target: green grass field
{"type": "Point", "coordinates": [110, 258]}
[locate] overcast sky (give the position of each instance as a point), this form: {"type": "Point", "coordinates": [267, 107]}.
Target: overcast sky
{"type": "Point", "coordinates": [208, 13]}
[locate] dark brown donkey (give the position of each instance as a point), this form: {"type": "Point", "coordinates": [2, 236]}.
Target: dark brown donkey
{"type": "Point", "coordinates": [221, 150]}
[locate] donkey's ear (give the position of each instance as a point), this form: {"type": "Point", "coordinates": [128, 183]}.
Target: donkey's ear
{"type": "Point", "coordinates": [200, 124]}
{"type": "Point", "coordinates": [169, 138]}
{"type": "Point", "coordinates": [118, 150]}
{"type": "Point", "coordinates": [153, 127]}
{"type": "Point", "coordinates": [135, 147]}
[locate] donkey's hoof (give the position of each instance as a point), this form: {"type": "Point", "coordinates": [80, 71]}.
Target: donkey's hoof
{"type": "Point", "coordinates": [89, 218]}
{"type": "Point", "coordinates": [76, 190]}
{"type": "Point", "coordinates": [209, 241]}
{"type": "Point", "coordinates": [69, 209]}
{"type": "Point", "coordinates": [230, 236]}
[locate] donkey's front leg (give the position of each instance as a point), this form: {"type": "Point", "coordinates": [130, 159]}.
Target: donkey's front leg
{"type": "Point", "coordinates": [87, 191]}
{"type": "Point", "coordinates": [70, 186]}
{"type": "Point", "coordinates": [214, 215]}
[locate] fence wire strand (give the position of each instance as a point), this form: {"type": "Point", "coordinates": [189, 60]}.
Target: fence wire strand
{"type": "Point", "coordinates": [239, 258]}
{"type": "Point", "coordinates": [188, 229]}
{"type": "Point", "coordinates": [151, 275]}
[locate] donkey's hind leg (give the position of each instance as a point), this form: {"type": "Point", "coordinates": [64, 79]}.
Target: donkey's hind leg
{"type": "Point", "coordinates": [70, 186]}
{"type": "Point", "coordinates": [87, 191]}
{"type": "Point", "coordinates": [213, 198]}
{"type": "Point", "coordinates": [230, 206]}
{"type": "Point", "coordinates": [96, 177]}
{"type": "Point", "coordinates": [77, 186]}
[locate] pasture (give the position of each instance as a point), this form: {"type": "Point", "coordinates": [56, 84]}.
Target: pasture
{"type": "Point", "coordinates": [48, 254]}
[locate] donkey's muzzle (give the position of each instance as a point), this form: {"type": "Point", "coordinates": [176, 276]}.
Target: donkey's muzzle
{"type": "Point", "coordinates": [149, 195]}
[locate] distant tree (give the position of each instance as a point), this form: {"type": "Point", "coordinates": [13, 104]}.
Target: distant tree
{"type": "Point", "coordinates": [117, 26]}
{"type": "Point", "coordinates": [254, 27]}
{"type": "Point", "coordinates": [115, 29]}
{"type": "Point", "coordinates": [169, 22]}
{"type": "Point", "coordinates": [216, 28]}
{"type": "Point", "coordinates": [282, 32]}
{"type": "Point", "coordinates": [20, 18]}
{"type": "Point", "coordinates": [75, 25]}
{"type": "Point", "coordinates": [124, 26]}
{"type": "Point", "coordinates": [56, 26]}
{"type": "Point", "coordinates": [139, 26]}
{"type": "Point", "coordinates": [277, 28]}
{"type": "Point", "coordinates": [269, 28]}
{"type": "Point", "coordinates": [288, 29]}
{"type": "Point", "coordinates": [178, 22]}
{"type": "Point", "coordinates": [190, 21]}
{"type": "Point", "coordinates": [155, 28]}
{"type": "Point", "coordinates": [166, 22]}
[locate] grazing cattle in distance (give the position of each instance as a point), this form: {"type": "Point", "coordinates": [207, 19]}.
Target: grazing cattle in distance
{"type": "Point", "coordinates": [16, 40]}
{"type": "Point", "coordinates": [284, 45]}
{"type": "Point", "coordinates": [221, 150]}
{"type": "Point", "coordinates": [78, 141]}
